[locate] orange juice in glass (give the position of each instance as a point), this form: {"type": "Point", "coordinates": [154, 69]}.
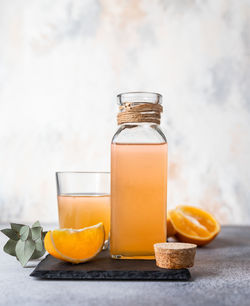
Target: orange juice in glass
{"type": "Point", "coordinates": [84, 200]}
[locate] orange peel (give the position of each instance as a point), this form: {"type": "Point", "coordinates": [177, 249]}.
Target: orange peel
{"type": "Point", "coordinates": [75, 245]}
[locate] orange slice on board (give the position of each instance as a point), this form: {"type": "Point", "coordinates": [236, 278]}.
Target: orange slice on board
{"type": "Point", "coordinates": [194, 225]}
{"type": "Point", "coordinates": [75, 245]}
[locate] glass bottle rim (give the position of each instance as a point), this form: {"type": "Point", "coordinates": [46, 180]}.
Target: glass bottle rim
{"type": "Point", "coordinates": [138, 97]}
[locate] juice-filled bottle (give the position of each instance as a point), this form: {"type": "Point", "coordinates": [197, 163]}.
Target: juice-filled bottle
{"type": "Point", "coordinates": [138, 177]}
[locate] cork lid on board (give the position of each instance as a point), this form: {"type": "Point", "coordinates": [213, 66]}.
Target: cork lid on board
{"type": "Point", "coordinates": [174, 255]}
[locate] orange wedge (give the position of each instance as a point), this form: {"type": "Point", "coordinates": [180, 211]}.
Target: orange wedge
{"type": "Point", "coordinates": [170, 228]}
{"type": "Point", "coordinates": [194, 225]}
{"type": "Point", "coordinates": [74, 245]}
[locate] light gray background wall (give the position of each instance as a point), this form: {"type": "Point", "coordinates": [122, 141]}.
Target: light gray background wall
{"type": "Point", "coordinates": [61, 64]}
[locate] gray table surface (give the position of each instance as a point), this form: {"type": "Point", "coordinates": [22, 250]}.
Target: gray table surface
{"type": "Point", "coordinates": [221, 276]}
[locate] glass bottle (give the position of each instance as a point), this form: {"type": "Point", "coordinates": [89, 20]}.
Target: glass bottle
{"type": "Point", "coordinates": [138, 182]}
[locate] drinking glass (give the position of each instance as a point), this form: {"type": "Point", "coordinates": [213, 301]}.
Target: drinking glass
{"type": "Point", "coordinates": [84, 200]}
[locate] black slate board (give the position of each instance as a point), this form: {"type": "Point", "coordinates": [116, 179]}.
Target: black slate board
{"type": "Point", "coordinates": [105, 268]}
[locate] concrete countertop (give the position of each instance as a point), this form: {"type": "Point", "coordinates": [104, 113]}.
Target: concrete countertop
{"type": "Point", "coordinates": [221, 276]}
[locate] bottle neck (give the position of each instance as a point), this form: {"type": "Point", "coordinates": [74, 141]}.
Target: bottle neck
{"type": "Point", "coordinates": [139, 113]}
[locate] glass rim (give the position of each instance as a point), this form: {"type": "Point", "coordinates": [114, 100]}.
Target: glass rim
{"type": "Point", "coordinates": [83, 172]}
{"type": "Point", "coordinates": [140, 92]}
{"type": "Point", "coordinates": [139, 97]}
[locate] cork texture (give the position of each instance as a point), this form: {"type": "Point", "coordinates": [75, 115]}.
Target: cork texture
{"type": "Point", "coordinates": [175, 255]}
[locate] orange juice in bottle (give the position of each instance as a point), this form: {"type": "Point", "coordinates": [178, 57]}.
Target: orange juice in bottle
{"type": "Point", "coordinates": [138, 178]}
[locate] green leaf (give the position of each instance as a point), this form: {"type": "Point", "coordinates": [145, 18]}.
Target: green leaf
{"type": "Point", "coordinates": [36, 224]}
{"type": "Point", "coordinates": [20, 251]}
{"type": "Point", "coordinates": [16, 227]}
{"type": "Point", "coordinates": [10, 247]}
{"type": "Point", "coordinates": [25, 242]}
{"type": "Point", "coordinates": [24, 251]}
{"type": "Point", "coordinates": [24, 232]}
{"type": "Point", "coordinates": [38, 254]}
{"type": "Point", "coordinates": [39, 245]}
{"type": "Point", "coordinates": [36, 232]}
{"type": "Point", "coordinates": [10, 233]}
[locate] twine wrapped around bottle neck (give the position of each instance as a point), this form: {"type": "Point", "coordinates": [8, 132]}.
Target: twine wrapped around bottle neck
{"type": "Point", "coordinates": [144, 112]}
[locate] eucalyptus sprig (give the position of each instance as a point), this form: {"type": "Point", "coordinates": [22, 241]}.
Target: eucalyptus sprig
{"type": "Point", "coordinates": [24, 242]}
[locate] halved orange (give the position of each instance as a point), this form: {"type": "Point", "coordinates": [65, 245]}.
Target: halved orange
{"type": "Point", "coordinates": [74, 245]}
{"type": "Point", "coordinates": [194, 225]}
{"type": "Point", "coordinates": [170, 229]}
